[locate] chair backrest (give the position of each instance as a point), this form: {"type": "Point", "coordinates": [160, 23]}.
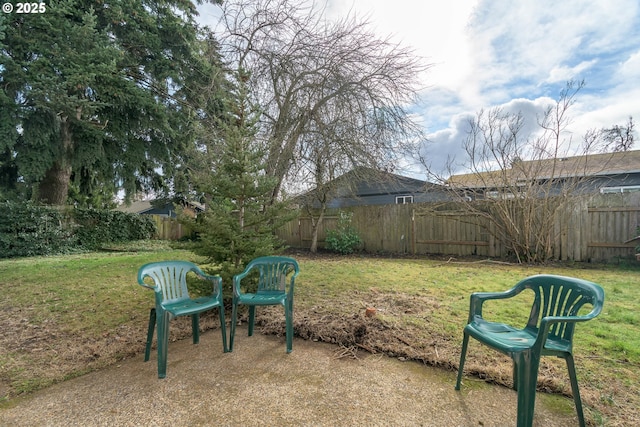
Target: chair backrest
{"type": "Point", "coordinates": [273, 273]}
{"type": "Point", "coordinates": [169, 278]}
{"type": "Point", "coordinates": [561, 296]}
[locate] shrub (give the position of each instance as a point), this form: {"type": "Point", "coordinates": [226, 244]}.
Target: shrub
{"type": "Point", "coordinates": [345, 238]}
{"type": "Point", "coordinates": [97, 227]}
{"type": "Point", "coordinates": [27, 229]}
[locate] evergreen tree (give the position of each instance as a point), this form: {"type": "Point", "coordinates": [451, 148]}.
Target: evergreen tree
{"type": "Point", "coordinates": [97, 95]}
{"type": "Point", "coordinates": [240, 222]}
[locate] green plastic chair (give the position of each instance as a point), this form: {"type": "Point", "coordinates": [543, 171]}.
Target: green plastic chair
{"type": "Point", "coordinates": [272, 274]}
{"type": "Point", "coordinates": [549, 332]}
{"type": "Point", "coordinates": [172, 300]}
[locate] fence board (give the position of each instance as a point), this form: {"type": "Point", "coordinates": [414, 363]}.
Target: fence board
{"type": "Point", "coordinates": [169, 228]}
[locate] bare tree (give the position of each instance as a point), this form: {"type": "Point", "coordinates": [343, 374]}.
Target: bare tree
{"type": "Point", "coordinates": [618, 138]}
{"type": "Point", "coordinates": [324, 158]}
{"type": "Point", "coordinates": [332, 94]}
{"type": "Point", "coordinates": [519, 183]}
{"type": "Point", "coordinates": [321, 169]}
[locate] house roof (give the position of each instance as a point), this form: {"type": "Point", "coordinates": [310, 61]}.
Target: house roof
{"type": "Point", "coordinates": [592, 165]}
{"type": "Point", "coordinates": [143, 206]}
{"type": "Point", "coordinates": [372, 181]}
{"type": "Point", "coordinates": [363, 181]}
{"type": "Point", "coordinates": [139, 206]}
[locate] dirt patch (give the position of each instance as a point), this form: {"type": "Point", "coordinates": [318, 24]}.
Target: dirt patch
{"type": "Point", "coordinates": [373, 334]}
{"type": "Point", "coordinates": [36, 354]}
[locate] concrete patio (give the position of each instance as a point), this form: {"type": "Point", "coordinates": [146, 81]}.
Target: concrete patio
{"type": "Point", "coordinates": [260, 385]}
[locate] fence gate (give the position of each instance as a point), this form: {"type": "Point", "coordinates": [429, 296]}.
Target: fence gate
{"type": "Point", "coordinates": [451, 232]}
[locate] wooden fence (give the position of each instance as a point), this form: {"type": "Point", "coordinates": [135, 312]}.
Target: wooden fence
{"type": "Point", "coordinates": [594, 228]}
{"type": "Point", "coordinates": [169, 228]}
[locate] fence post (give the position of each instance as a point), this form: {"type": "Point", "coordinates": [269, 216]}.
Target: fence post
{"type": "Point", "coordinates": [413, 231]}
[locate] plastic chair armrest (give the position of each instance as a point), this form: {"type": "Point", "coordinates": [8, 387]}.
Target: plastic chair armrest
{"type": "Point", "coordinates": [236, 282]}
{"type": "Point", "coordinates": [215, 279]}
{"type": "Point", "coordinates": [141, 283]}
{"type": "Point", "coordinates": [547, 322]}
{"type": "Point", "coordinates": [478, 299]}
{"type": "Point", "coordinates": [216, 282]}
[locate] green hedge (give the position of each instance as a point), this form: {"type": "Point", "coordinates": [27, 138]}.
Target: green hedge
{"type": "Point", "coordinates": [27, 229]}
{"type": "Point", "coordinates": [97, 227]}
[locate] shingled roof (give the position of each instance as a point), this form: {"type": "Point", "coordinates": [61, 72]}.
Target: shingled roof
{"type": "Point", "coordinates": [592, 165]}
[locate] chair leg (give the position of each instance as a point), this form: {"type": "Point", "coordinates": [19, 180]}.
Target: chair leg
{"type": "Point", "coordinates": [463, 354]}
{"type": "Point", "coordinates": [252, 318]}
{"type": "Point", "coordinates": [163, 343]}
{"type": "Point", "coordinates": [234, 320]}
{"type": "Point", "coordinates": [288, 314]}
{"type": "Point", "coordinates": [574, 389]}
{"type": "Point", "coordinates": [152, 325]}
{"type": "Point", "coordinates": [223, 328]}
{"type": "Point", "coordinates": [195, 328]}
{"type": "Point", "coordinates": [527, 380]}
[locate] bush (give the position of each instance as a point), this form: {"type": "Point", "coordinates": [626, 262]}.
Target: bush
{"type": "Point", "coordinates": [97, 227]}
{"type": "Point", "coordinates": [27, 229]}
{"type": "Point", "coordinates": [344, 239]}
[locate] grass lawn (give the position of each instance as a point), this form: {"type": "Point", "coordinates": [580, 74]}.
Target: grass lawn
{"type": "Point", "coordinates": [64, 316]}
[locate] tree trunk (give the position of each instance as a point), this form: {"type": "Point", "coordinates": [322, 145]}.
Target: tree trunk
{"type": "Point", "coordinates": [54, 187]}
{"type": "Point", "coordinates": [315, 225]}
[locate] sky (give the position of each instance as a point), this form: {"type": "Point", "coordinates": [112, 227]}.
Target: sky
{"type": "Point", "coordinates": [513, 54]}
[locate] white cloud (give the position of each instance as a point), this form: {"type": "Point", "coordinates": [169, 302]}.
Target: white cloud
{"type": "Point", "coordinates": [434, 29]}
{"type": "Point", "coordinates": [628, 75]}
{"type": "Point", "coordinates": [528, 43]}
{"type": "Point", "coordinates": [563, 73]}
{"type": "Point", "coordinates": [444, 153]}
